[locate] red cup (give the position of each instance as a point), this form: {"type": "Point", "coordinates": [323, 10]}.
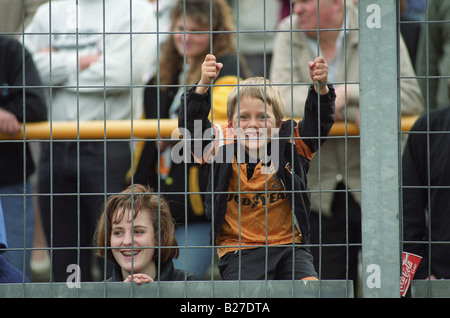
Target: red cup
{"type": "Point", "coordinates": [410, 262]}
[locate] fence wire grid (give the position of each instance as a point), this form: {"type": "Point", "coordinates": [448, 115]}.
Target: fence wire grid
{"type": "Point", "coordinates": [89, 107]}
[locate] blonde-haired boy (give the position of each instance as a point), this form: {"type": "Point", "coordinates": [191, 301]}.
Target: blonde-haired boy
{"type": "Point", "coordinates": [261, 198]}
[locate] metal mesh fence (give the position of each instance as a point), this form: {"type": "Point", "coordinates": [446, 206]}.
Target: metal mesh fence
{"type": "Point", "coordinates": [111, 73]}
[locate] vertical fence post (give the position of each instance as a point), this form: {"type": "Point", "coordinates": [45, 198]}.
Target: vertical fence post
{"type": "Point", "coordinates": [379, 127]}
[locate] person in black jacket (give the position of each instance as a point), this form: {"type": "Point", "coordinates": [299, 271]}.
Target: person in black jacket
{"type": "Point", "coordinates": [426, 193]}
{"type": "Point", "coordinates": [136, 233]}
{"type": "Point", "coordinates": [258, 195]}
{"type": "Point", "coordinates": [21, 101]}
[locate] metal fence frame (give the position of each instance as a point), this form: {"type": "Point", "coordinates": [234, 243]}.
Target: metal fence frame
{"type": "Point", "coordinates": [381, 127]}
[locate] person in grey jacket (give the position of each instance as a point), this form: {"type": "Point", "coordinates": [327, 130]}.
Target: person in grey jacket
{"type": "Point", "coordinates": [334, 175]}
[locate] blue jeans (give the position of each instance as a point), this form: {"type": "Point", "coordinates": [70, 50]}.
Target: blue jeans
{"type": "Point", "coordinates": [197, 260]}
{"type": "Point", "coordinates": [18, 210]}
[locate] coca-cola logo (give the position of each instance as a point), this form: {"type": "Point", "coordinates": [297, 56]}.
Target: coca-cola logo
{"type": "Point", "coordinates": [409, 267]}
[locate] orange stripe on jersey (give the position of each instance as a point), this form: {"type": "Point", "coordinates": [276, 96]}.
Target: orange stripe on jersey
{"type": "Point", "coordinates": [224, 135]}
{"type": "Point", "coordinates": [302, 149]}
{"type": "Point", "coordinates": [194, 189]}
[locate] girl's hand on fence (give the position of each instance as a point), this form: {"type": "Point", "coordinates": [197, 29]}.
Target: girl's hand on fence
{"type": "Point", "coordinates": [139, 278]}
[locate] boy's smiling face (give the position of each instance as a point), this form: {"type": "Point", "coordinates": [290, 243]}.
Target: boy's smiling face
{"type": "Point", "coordinates": [252, 122]}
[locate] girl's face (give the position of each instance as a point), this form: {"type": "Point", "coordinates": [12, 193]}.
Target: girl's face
{"type": "Point", "coordinates": [134, 243]}
{"type": "Point", "coordinates": [306, 10]}
{"type": "Point", "coordinates": [197, 45]}
{"type": "Point", "coordinates": [252, 122]}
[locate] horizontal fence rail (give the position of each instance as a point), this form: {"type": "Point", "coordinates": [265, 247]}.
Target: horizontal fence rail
{"type": "Point", "coordinates": [188, 289]}
{"type": "Point", "coordinates": [145, 128]}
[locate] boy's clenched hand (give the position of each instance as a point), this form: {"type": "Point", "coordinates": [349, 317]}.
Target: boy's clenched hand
{"type": "Point", "coordinates": [318, 70]}
{"type": "Point", "coordinates": [210, 71]}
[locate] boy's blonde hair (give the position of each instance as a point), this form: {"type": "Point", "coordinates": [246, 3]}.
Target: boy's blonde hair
{"type": "Point", "coordinates": [260, 88]}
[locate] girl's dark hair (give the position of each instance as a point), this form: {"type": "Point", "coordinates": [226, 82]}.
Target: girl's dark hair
{"type": "Point", "coordinates": [138, 198]}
